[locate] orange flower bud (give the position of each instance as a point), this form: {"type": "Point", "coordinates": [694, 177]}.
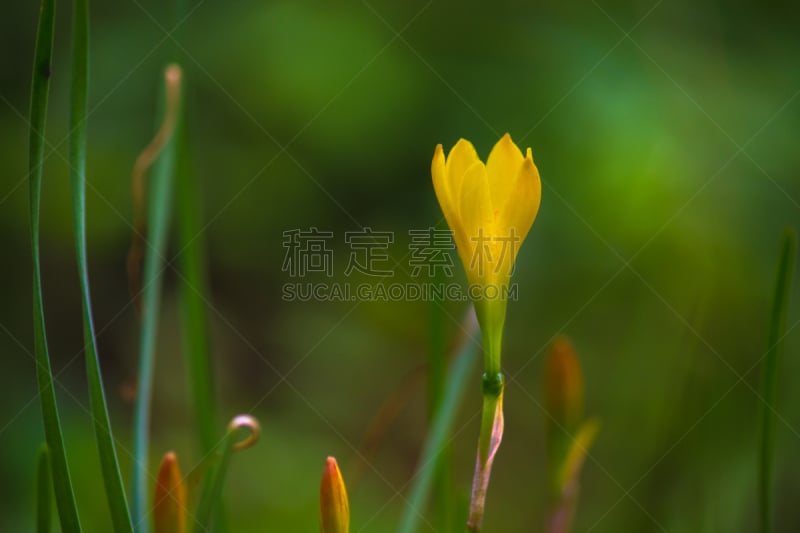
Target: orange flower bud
{"type": "Point", "coordinates": [169, 502]}
{"type": "Point", "coordinates": [334, 509]}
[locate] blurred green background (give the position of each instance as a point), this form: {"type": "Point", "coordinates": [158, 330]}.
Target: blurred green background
{"type": "Point", "coordinates": [665, 133]}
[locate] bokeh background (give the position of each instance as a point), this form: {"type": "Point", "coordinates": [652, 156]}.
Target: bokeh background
{"type": "Point", "coordinates": [666, 136]}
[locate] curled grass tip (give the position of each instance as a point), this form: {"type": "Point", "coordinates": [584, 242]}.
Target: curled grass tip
{"type": "Point", "coordinates": [248, 423]}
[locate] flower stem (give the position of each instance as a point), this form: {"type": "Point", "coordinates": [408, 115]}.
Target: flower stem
{"type": "Point", "coordinates": [489, 441]}
{"type": "Point", "coordinates": [491, 318]}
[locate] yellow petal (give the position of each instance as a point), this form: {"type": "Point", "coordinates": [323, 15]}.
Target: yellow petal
{"type": "Point", "coordinates": [445, 192]}
{"type": "Point", "coordinates": [475, 214]}
{"type": "Point", "coordinates": [502, 167]}
{"type": "Point", "coordinates": [521, 207]}
{"type": "Point", "coordinates": [461, 157]}
{"type": "Point", "coordinates": [443, 187]}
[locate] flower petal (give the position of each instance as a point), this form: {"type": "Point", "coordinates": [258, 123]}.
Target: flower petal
{"type": "Point", "coordinates": [445, 191]}
{"type": "Point", "coordinates": [441, 185]}
{"type": "Point", "coordinates": [522, 206]}
{"type": "Point", "coordinates": [461, 157]}
{"type": "Point", "coordinates": [475, 214]}
{"type": "Point", "coordinates": [502, 168]}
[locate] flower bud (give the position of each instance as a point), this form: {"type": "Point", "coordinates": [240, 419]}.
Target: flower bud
{"type": "Point", "coordinates": [169, 502]}
{"type": "Point", "coordinates": [334, 509]}
{"type": "Point", "coordinates": [490, 207]}
{"type": "Point", "coordinates": [563, 385]}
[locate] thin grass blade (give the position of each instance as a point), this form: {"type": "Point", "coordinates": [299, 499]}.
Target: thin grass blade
{"type": "Point", "coordinates": [114, 489]}
{"type": "Point", "coordinates": [567, 478]}
{"type": "Point", "coordinates": [193, 294]}
{"type": "Point", "coordinates": [769, 383]}
{"type": "Point", "coordinates": [40, 89]}
{"type": "Point", "coordinates": [44, 483]}
{"type": "Point", "coordinates": [158, 207]}
{"type": "Point", "coordinates": [211, 495]}
{"type": "Point", "coordinates": [193, 283]}
{"type": "Point", "coordinates": [441, 426]}
{"type": "Point", "coordinates": [443, 501]}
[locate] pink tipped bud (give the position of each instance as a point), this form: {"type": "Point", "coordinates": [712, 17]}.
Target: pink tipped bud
{"type": "Point", "coordinates": [334, 509]}
{"type": "Point", "coordinates": [169, 504]}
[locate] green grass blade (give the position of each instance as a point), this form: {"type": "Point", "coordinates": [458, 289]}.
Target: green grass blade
{"type": "Point", "coordinates": [769, 384]}
{"type": "Point", "coordinates": [159, 208]}
{"type": "Point", "coordinates": [443, 501]}
{"type": "Point", "coordinates": [114, 489]}
{"type": "Point", "coordinates": [212, 488]}
{"type": "Point", "coordinates": [43, 491]}
{"type": "Point", "coordinates": [437, 354]}
{"type": "Point", "coordinates": [436, 441]}
{"type": "Point", "coordinates": [193, 287]}
{"type": "Point", "coordinates": [40, 89]}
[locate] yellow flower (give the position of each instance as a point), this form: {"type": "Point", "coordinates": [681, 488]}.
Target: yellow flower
{"type": "Point", "coordinates": [334, 508]}
{"type": "Point", "coordinates": [490, 208]}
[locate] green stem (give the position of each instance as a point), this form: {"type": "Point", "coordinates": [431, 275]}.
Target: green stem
{"type": "Point", "coordinates": [769, 385]}
{"type": "Point", "coordinates": [491, 317]}
{"type": "Point", "coordinates": [488, 442]}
